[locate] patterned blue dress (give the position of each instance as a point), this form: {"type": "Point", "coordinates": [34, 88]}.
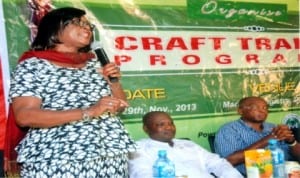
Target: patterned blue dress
{"type": "Point", "coordinates": [95, 148]}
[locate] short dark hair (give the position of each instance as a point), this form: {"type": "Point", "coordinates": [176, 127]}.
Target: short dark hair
{"type": "Point", "coordinates": [52, 24]}
{"type": "Point", "coordinates": [244, 100]}
{"type": "Point", "coordinates": [148, 116]}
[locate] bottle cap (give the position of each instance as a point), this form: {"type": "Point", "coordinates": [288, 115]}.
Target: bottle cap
{"type": "Point", "coordinates": [272, 141]}
{"type": "Point", "coordinates": [162, 152]}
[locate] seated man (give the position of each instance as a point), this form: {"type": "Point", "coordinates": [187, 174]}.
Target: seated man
{"type": "Point", "coordinates": [189, 158]}
{"type": "Point", "coordinates": [252, 132]}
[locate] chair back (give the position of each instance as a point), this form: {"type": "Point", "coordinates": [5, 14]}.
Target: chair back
{"type": "Point", "coordinates": [211, 140]}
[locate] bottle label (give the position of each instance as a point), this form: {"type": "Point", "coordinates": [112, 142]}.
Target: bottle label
{"type": "Point", "coordinates": [167, 171]}
{"type": "Point", "coordinates": [278, 164]}
{"type": "Point", "coordinates": [164, 170]}
{"type": "Point", "coordinates": [163, 167]}
{"type": "Point", "coordinates": [278, 158]}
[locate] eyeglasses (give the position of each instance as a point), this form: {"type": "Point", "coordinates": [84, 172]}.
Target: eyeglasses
{"type": "Point", "coordinates": [81, 23]}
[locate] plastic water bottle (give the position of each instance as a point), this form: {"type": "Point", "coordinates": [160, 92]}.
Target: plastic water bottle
{"type": "Point", "coordinates": [278, 160]}
{"type": "Point", "coordinates": [163, 167]}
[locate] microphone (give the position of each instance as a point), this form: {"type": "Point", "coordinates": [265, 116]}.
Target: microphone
{"type": "Point", "coordinates": [102, 57]}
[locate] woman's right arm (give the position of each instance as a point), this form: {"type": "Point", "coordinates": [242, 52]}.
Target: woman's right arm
{"type": "Point", "coordinates": [28, 113]}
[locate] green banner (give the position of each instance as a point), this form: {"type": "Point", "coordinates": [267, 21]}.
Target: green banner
{"type": "Point", "coordinates": [201, 94]}
{"type": "Point", "coordinates": [193, 59]}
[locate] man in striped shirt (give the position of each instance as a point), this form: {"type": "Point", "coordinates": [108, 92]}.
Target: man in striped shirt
{"type": "Point", "coordinates": [252, 131]}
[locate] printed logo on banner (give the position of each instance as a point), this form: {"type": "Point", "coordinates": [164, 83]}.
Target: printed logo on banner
{"type": "Point", "coordinates": [292, 120]}
{"type": "Point", "coordinates": [246, 11]}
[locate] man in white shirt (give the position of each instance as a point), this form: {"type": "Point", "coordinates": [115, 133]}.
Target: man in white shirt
{"type": "Point", "coordinates": [190, 159]}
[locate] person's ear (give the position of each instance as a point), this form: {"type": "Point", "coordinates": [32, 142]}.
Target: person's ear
{"type": "Point", "coordinates": [240, 111]}
{"type": "Point", "coordinates": [145, 129]}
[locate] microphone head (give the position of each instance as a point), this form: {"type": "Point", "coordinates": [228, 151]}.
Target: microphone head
{"type": "Point", "coordinates": [96, 45]}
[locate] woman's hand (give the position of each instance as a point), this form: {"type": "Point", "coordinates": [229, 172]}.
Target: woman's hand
{"type": "Point", "coordinates": [110, 70]}
{"type": "Point", "coordinates": [107, 104]}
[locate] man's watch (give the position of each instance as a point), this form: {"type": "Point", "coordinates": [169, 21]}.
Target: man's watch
{"type": "Point", "coordinates": [293, 143]}
{"type": "Point", "coordinates": [85, 115]}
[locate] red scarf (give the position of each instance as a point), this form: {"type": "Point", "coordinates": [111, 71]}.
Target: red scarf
{"type": "Point", "coordinates": [69, 58]}
{"type": "Point", "coordinates": [14, 134]}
